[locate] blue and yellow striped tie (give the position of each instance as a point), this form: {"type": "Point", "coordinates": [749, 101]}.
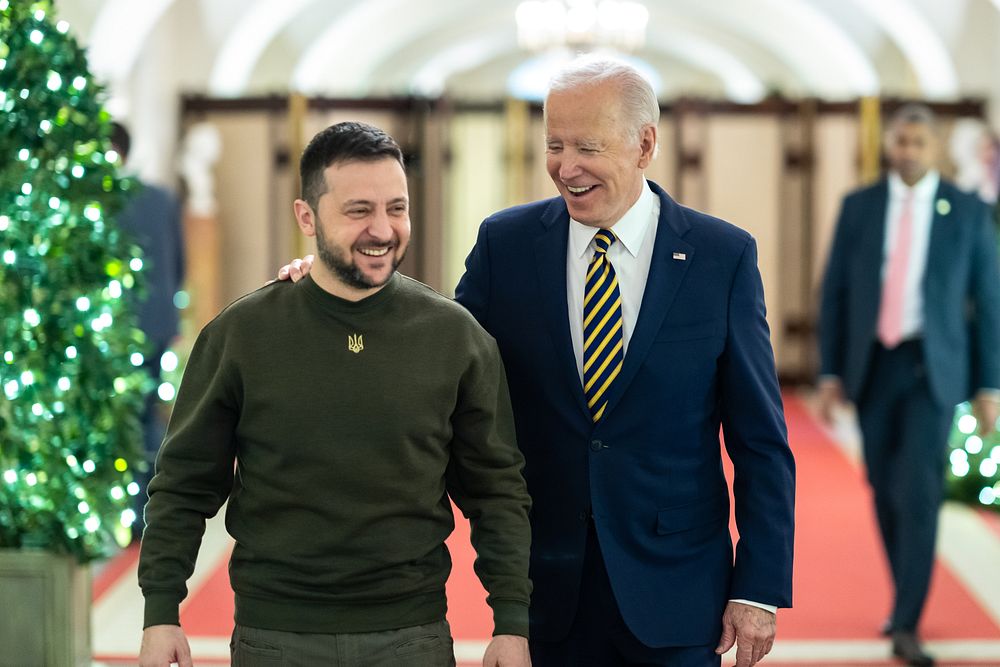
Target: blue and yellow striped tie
{"type": "Point", "coordinates": [602, 327]}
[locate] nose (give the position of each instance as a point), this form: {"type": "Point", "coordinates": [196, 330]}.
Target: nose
{"type": "Point", "coordinates": [380, 227]}
{"type": "Point", "coordinates": [569, 166]}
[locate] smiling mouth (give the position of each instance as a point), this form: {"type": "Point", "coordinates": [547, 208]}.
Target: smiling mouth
{"type": "Point", "coordinates": [580, 191]}
{"type": "Point", "coordinates": [374, 252]}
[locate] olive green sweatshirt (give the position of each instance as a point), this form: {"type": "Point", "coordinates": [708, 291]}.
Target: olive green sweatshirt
{"type": "Point", "coordinates": [338, 431]}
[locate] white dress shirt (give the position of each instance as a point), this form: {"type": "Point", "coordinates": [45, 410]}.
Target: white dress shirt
{"type": "Point", "coordinates": [630, 256]}
{"type": "Point", "coordinates": [924, 194]}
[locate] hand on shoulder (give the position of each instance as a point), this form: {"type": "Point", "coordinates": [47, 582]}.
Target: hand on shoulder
{"type": "Point", "coordinates": [297, 269]}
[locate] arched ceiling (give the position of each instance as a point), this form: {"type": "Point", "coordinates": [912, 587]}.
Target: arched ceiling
{"type": "Point", "coordinates": [112, 51]}
{"type": "Point", "coordinates": [725, 48]}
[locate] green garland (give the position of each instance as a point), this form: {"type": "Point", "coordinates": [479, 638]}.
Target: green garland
{"type": "Point", "coordinates": [70, 387]}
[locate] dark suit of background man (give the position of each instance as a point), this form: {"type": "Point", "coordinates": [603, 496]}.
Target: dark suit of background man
{"type": "Point", "coordinates": [624, 355]}
{"type": "Point", "coordinates": [152, 217]}
{"type": "Point", "coordinates": [909, 327]}
{"type": "Point", "coordinates": [631, 556]}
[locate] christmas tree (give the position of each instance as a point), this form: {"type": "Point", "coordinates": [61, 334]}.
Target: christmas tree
{"type": "Point", "coordinates": [70, 380]}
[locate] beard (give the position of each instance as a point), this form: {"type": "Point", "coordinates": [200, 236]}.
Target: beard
{"type": "Point", "coordinates": [346, 270]}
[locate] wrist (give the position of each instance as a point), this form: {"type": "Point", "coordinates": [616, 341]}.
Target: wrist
{"type": "Point", "coordinates": [510, 618]}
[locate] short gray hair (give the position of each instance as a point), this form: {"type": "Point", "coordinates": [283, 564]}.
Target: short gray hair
{"type": "Point", "coordinates": [913, 112]}
{"type": "Point", "coordinates": [637, 97]}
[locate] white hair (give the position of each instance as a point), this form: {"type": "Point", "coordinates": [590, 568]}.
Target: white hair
{"type": "Point", "coordinates": [638, 100]}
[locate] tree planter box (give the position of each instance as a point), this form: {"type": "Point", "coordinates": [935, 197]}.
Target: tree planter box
{"type": "Point", "coordinates": [45, 603]}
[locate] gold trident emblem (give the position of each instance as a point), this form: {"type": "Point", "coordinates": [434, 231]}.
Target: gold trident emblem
{"type": "Point", "coordinates": [355, 343]}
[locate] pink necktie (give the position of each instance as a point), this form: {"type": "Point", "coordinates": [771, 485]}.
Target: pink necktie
{"type": "Point", "coordinates": [890, 316]}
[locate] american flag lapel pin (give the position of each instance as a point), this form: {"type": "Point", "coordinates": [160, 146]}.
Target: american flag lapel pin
{"type": "Point", "coordinates": [680, 256]}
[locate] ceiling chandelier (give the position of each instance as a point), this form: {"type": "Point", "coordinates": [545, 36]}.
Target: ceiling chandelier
{"type": "Point", "coordinates": [581, 24]}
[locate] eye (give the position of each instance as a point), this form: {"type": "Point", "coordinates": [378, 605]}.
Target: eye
{"type": "Point", "coordinates": [589, 150]}
{"type": "Point", "coordinates": [553, 148]}
{"type": "Point", "coordinates": [357, 212]}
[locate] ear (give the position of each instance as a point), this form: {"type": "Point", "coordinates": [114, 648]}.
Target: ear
{"type": "Point", "coordinates": [305, 217]}
{"type": "Point", "coordinates": [647, 145]}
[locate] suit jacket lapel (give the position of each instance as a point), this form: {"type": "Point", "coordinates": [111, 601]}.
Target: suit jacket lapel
{"type": "Point", "coordinates": [870, 255]}
{"type": "Point", "coordinates": [664, 280]}
{"type": "Point", "coordinates": [550, 258]}
{"type": "Point", "coordinates": [939, 255]}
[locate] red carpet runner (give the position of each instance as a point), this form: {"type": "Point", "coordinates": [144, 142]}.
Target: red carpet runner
{"type": "Point", "coordinates": [841, 581]}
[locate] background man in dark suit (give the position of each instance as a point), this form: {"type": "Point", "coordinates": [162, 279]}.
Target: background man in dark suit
{"type": "Point", "coordinates": [153, 219]}
{"type": "Point", "coordinates": [631, 328]}
{"type": "Point", "coordinates": [909, 327]}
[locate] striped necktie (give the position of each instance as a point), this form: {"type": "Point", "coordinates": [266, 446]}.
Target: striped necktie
{"type": "Point", "coordinates": [602, 327]}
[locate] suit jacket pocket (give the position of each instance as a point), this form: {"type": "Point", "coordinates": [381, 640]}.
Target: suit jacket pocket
{"type": "Point", "coordinates": [670, 333]}
{"type": "Point", "coordinates": [692, 515]}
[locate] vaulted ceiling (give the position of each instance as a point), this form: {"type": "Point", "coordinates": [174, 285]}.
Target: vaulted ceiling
{"type": "Point", "coordinates": [733, 49]}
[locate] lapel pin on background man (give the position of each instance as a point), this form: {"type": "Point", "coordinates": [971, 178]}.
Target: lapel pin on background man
{"type": "Point", "coordinates": [353, 404]}
{"type": "Point", "coordinates": [631, 329]}
{"type": "Point", "coordinates": [909, 327]}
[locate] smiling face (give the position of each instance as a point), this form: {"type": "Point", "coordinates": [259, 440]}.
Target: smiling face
{"type": "Point", "coordinates": [361, 224]}
{"type": "Point", "coordinates": [593, 158]}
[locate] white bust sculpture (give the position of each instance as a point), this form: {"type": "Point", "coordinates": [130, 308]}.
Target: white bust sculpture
{"type": "Point", "coordinates": [200, 150]}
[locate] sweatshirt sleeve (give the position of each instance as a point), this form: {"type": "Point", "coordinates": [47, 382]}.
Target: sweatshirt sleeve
{"type": "Point", "coordinates": [194, 475]}
{"type": "Point", "coordinates": [485, 481]}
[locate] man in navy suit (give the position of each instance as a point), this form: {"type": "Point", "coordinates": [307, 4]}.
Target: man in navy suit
{"type": "Point", "coordinates": [909, 327]}
{"type": "Point", "coordinates": [631, 557]}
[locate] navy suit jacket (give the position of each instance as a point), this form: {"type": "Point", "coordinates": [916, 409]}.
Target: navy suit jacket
{"type": "Point", "coordinates": [651, 471]}
{"type": "Point", "coordinates": [961, 291]}
{"type": "Point", "coordinates": [153, 218]}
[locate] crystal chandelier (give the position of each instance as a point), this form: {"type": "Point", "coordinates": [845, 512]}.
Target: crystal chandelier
{"type": "Point", "coordinates": [581, 24]}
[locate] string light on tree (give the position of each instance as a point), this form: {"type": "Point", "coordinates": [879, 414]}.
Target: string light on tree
{"type": "Point", "coordinates": [974, 470]}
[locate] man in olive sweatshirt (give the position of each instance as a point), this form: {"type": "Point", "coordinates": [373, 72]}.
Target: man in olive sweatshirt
{"type": "Point", "coordinates": [337, 416]}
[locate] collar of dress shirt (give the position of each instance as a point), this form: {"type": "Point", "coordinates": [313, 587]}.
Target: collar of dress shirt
{"type": "Point", "coordinates": [630, 230]}
{"type": "Point", "coordinates": [923, 190]}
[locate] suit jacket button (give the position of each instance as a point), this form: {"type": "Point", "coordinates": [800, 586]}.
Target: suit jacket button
{"type": "Point", "coordinates": [596, 445]}
{"type": "Point", "coordinates": [584, 516]}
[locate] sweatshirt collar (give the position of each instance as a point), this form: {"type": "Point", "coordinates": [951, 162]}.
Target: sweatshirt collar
{"type": "Point", "coordinates": [335, 303]}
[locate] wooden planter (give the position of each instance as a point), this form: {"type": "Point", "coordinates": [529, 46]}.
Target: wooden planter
{"type": "Point", "coordinates": [45, 603]}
